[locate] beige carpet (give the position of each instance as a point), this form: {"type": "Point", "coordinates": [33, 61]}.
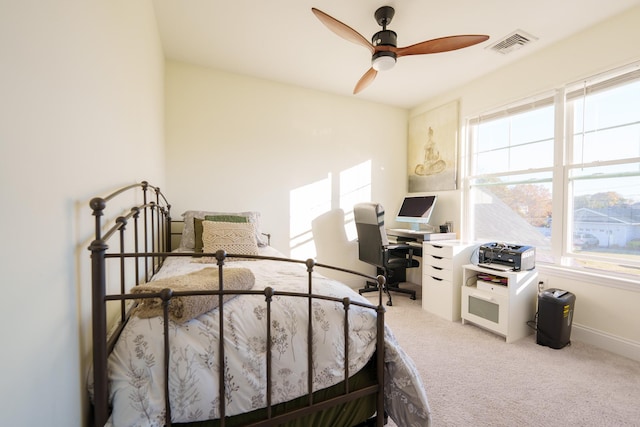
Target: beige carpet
{"type": "Point", "coordinates": [473, 378]}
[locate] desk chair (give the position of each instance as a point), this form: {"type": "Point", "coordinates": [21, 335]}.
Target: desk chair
{"type": "Point", "coordinates": [374, 248]}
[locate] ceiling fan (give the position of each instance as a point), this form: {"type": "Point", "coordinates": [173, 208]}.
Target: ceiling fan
{"type": "Point", "coordinates": [383, 46]}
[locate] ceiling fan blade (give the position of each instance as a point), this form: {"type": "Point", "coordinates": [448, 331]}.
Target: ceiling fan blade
{"type": "Point", "coordinates": [366, 79]}
{"type": "Point", "coordinates": [343, 30]}
{"type": "Point", "coordinates": [443, 44]}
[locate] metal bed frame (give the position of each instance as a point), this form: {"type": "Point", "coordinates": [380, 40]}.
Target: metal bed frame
{"type": "Point", "coordinates": [150, 238]}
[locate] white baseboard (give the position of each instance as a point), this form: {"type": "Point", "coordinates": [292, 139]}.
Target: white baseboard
{"type": "Point", "coordinates": [612, 343]}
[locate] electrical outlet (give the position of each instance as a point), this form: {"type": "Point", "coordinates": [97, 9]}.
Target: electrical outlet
{"type": "Point", "coordinates": [543, 283]}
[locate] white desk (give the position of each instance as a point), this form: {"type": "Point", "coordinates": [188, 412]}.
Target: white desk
{"type": "Point", "coordinates": [419, 236]}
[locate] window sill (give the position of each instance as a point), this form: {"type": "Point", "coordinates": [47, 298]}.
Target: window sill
{"type": "Point", "coordinates": [626, 282]}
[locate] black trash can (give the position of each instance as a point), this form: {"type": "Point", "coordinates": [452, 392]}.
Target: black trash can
{"type": "Point", "coordinates": [555, 315]}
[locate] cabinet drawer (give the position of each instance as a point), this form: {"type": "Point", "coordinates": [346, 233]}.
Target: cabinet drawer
{"type": "Point", "coordinates": [437, 261]}
{"type": "Point", "coordinates": [486, 309]}
{"type": "Point", "coordinates": [430, 270]}
{"type": "Point", "coordinates": [444, 251]}
{"type": "Point", "coordinates": [492, 287]}
{"type": "Point", "coordinates": [440, 298]}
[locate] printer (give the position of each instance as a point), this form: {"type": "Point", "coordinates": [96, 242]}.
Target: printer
{"type": "Point", "coordinates": [507, 256]}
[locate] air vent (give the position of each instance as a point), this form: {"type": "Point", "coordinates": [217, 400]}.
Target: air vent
{"type": "Point", "coordinates": [513, 41]}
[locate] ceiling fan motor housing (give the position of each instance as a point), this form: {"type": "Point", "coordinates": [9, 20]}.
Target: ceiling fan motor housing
{"type": "Point", "coordinates": [385, 38]}
{"type": "Point", "coordinates": [384, 59]}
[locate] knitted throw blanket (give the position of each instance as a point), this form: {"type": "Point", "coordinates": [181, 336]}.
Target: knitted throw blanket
{"type": "Point", "coordinates": [182, 309]}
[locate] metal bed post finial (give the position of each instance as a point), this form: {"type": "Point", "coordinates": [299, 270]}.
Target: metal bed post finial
{"type": "Point", "coordinates": [98, 204]}
{"type": "Point", "coordinates": [310, 263]}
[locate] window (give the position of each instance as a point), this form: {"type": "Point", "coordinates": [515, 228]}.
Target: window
{"type": "Point", "coordinates": [511, 171]}
{"type": "Point", "coordinates": [562, 173]}
{"type": "Point", "coordinates": [603, 172]}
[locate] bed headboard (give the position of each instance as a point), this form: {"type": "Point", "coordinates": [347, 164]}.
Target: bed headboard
{"type": "Point", "coordinates": [148, 226]}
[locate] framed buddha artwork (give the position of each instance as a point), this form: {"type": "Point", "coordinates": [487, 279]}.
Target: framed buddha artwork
{"type": "Point", "coordinates": [432, 154]}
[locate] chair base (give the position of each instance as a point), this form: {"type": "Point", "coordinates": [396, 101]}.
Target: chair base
{"type": "Point", "coordinates": [373, 287]}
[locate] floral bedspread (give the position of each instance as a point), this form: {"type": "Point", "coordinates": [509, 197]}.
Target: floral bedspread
{"type": "Point", "coordinates": [136, 364]}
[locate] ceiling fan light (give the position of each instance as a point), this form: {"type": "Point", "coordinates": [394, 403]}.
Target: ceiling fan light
{"type": "Point", "coordinates": [383, 61]}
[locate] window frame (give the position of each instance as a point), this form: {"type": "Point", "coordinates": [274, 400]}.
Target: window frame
{"type": "Point", "coordinates": [562, 254]}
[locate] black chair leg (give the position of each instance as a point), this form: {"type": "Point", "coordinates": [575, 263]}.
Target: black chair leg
{"type": "Point", "coordinates": [388, 288]}
{"type": "Point", "coordinates": [395, 288]}
{"type": "Point", "coordinates": [369, 287]}
{"type": "Point", "coordinates": [373, 287]}
{"type": "Point", "coordinates": [389, 302]}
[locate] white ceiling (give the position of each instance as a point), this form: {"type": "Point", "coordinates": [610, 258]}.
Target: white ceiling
{"type": "Point", "coordinates": [283, 41]}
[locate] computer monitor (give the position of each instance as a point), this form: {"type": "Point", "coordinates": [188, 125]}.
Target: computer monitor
{"type": "Point", "coordinates": [416, 210]}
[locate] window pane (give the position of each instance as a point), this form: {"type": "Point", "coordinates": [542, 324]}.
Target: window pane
{"type": "Point", "coordinates": [514, 143]}
{"type": "Point", "coordinates": [513, 210]}
{"type": "Point", "coordinates": [611, 123]}
{"type": "Point", "coordinates": [532, 125]}
{"type": "Point", "coordinates": [534, 155]}
{"type": "Point", "coordinates": [492, 135]}
{"type": "Point", "coordinates": [492, 162]}
{"type": "Point", "coordinates": [606, 210]}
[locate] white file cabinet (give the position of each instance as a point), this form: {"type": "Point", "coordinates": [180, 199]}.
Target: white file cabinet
{"type": "Point", "coordinates": [442, 263]}
{"type": "Point", "coordinates": [503, 305]}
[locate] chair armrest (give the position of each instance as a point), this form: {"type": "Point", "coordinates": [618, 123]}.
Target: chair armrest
{"type": "Point", "coordinates": [397, 246]}
{"type": "Point", "coordinates": [400, 247]}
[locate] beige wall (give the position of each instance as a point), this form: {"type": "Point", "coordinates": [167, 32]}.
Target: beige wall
{"type": "Point", "coordinates": [604, 315]}
{"type": "Point", "coordinates": [236, 143]}
{"type": "Point", "coordinates": [81, 84]}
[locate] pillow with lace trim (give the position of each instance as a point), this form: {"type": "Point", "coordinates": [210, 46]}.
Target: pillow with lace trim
{"type": "Point", "coordinates": [238, 238]}
{"type": "Point", "coordinates": [188, 238]}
